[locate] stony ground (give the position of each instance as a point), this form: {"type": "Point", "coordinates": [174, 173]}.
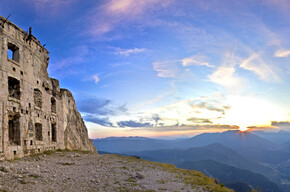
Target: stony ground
{"type": "Point", "coordinates": [77, 171]}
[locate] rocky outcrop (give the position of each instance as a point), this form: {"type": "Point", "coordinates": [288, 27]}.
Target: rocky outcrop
{"type": "Point", "coordinates": [75, 133]}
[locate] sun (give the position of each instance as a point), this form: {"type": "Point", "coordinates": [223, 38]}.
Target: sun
{"type": "Point", "coordinates": [242, 129]}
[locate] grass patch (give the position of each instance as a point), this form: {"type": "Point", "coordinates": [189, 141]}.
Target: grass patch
{"type": "Point", "coordinates": [68, 163]}
{"type": "Point", "coordinates": [82, 152]}
{"type": "Point", "coordinates": [161, 181]}
{"type": "Point", "coordinates": [124, 167]}
{"type": "Point", "coordinates": [49, 152]}
{"type": "Point", "coordinates": [195, 178]}
{"type": "Point", "coordinates": [131, 180]}
{"type": "Point", "coordinates": [116, 182]}
{"type": "Point", "coordinates": [33, 176]}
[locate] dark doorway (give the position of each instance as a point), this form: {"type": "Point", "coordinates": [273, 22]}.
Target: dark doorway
{"type": "Point", "coordinates": [14, 130]}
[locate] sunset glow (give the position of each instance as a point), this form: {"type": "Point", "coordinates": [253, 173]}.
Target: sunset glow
{"type": "Point", "coordinates": [167, 67]}
{"type": "Point", "coordinates": [243, 129]}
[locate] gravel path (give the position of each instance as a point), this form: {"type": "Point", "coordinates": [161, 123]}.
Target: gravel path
{"type": "Point", "coordinates": [75, 171]}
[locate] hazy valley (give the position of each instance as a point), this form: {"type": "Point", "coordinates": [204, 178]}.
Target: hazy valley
{"type": "Point", "coordinates": [241, 160]}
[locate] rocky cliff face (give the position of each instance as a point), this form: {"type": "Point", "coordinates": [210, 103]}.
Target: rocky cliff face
{"type": "Point", "coordinates": [75, 133]}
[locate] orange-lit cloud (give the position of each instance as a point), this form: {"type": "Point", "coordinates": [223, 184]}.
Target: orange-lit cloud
{"type": "Point", "coordinates": [281, 124]}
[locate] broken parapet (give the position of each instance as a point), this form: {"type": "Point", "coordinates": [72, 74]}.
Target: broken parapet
{"type": "Point", "coordinates": [35, 114]}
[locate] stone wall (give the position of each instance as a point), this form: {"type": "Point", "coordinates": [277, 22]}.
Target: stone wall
{"type": "Point", "coordinates": [36, 115]}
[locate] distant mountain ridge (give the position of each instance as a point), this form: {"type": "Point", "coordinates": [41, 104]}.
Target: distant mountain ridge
{"type": "Point", "coordinates": [216, 152]}
{"type": "Point", "coordinates": [278, 137]}
{"type": "Point", "coordinates": [125, 144]}
{"type": "Point", "coordinates": [231, 175]}
{"type": "Point", "coordinates": [232, 139]}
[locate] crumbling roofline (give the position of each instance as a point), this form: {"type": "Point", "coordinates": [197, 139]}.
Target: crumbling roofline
{"type": "Point", "coordinates": [2, 19]}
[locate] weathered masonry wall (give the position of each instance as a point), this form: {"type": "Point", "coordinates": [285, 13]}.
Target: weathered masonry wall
{"type": "Point", "coordinates": [36, 115]}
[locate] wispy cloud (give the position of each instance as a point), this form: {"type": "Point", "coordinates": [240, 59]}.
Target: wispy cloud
{"type": "Point", "coordinates": [49, 7]}
{"type": "Point", "coordinates": [199, 120]}
{"type": "Point", "coordinates": [197, 109]}
{"type": "Point", "coordinates": [99, 111]}
{"type": "Point", "coordinates": [132, 7]}
{"type": "Point", "coordinates": [166, 68]}
{"type": "Point", "coordinates": [102, 107]}
{"type": "Point", "coordinates": [96, 79]}
{"type": "Point", "coordinates": [195, 60]}
{"type": "Point", "coordinates": [280, 5]}
{"type": "Point", "coordinates": [255, 64]}
{"type": "Point", "coordinates": [225, 76]}
{"type": "Point", "coordinates": [282, 53]}
{"type": "Point", "coordinates": [193, 127]}
{"type": "Point", "coordinates": [209, 105]}
{"type": "Point", "coordinates": [127, 52]}
{"type": "Point", "coordinates": [132, 123]}
{"type": "Point", "coordinates": [104, 121]}
{"type": "Point", "coordinates": [171, 91]}
{"type": "Point", "coordinates": [281, 124]}
{"type": "Point", "coordinates": [157, 98]}
{"type": "Point", "coordinates": [116, 12]}
{"type": "Point", "coordinates": [63, 66]}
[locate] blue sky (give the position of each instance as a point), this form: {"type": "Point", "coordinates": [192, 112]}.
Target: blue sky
{"type": "Point", "coordinates": [167, 67]}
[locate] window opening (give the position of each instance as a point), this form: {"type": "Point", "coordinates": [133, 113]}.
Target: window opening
{"type": "Point", "coordinates": [38, 98]}
{"type": "Point", "coordinates": [38, 131]}
{"type": "Point", "coordinates": [14, 88]}
{"type": "Point", "coordinates": [53, 132]}
{"type": "Point", "coordinates": [14, 130]}
{"type": "Point", "coordinates": [53, 105]}
{"type": "Point", "coordinates": [13, 52]}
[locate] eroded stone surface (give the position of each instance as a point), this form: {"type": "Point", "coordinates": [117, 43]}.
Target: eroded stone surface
{"type": "Point", "coordinates": [36, 115]}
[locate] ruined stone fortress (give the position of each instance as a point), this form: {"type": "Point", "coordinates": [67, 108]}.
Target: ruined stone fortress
{"type": "Point", "coordinates": [35, 114]}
